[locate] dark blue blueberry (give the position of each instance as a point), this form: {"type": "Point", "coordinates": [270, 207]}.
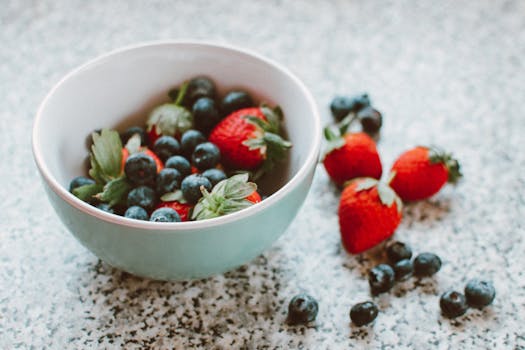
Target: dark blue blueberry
{"type": "Point", "coordinates": [341, 106]}
{"type": "Point", "coordinates": [191, 187]}
{"type": "Point", "coordinates": [371, 120]}
{"type": "Point", "coordinates": [165, 147]}
{"type": "Point", "coordinates": [168, 180]}
{"type": "Point", "coordinates": [140, 169]}
{"type": "Point", "coordinates": [381, 279]}
{"type": "Point", "coordinates": [189, 140]}
{"type": "Point", "coordinates": [396, 251]}
{"type": "Point", "coordinates": [199, 87]}
{"type": "Point", "coordinates": [403, 269]}
{"type": "Point", "coordinates": [453, 304]}
{"type": "Point", "coordinates": [426, 264]}
{"type": "Point", "coordinates": [205, 114]}
{"type": "Point", "coordinates": [214, 175]}
{"type": "Point", "coordinates": [80, 181]}
{"type": "Point", "coordinates": [126, 135]}
{"type": "Point", "coordinates": [302, 309]}
{"type": "Point", "coordinates": [143, 196]}
{"type": "Point", "coordinates": [205, 156]}
{"type": "Point", "coordinates": [105, 207]}
{"type": "Point", "coordinates": [137, 213]}
{"type": "Point", "coordinates": [165, 215]}
{"type": "Point", "coordinates": [179, 163]}
{"type": "Point", "coordinates": [235, 100]}
{"type": "Point", "coordinates": [479, 293]}
{"type": "Point", "coordinates": [363, 313]}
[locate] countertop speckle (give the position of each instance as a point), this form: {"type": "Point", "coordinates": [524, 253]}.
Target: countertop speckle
{"type": "Point", "coordinates": [449, 73]}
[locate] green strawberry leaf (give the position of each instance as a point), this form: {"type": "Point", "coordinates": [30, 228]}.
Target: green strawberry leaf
{"type": "Point", "coordinates": [106, 156]}
{"type": "Point", "coordinates": [333, 145]}
{"type": "Point", "coordinates": [273, 116]}
{"type": "Point", "coordinates": [170, 119]}
{"type": "Point", "coordinates": [173, 196]}
{"type": "Point", "coordinates": [366, 184]}
{"type": "Point", "coordinates": [115, 191]}
{"type": "Point", "coordinates": [87, 192]}
{"type": "Point", "coordinates": [133, 144]}
{"type": "Point", "coordinates": [330, 135]}
{"type": "Point", "coordinates": [438, 155]}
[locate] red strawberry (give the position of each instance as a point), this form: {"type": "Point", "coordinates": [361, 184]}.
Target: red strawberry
{"type": "Point", "coordinates": [350, 155]}
{"type": "Point", "coordinates": [255, 197]}
{"type": "Point", "coordinates": [183, 209]}
{"type": "Point", "coordinates": [249, 138]}
{"type": "Point", "coordinates": [421, 172]}
{"type": "Point", "coordinates": [369, 213]}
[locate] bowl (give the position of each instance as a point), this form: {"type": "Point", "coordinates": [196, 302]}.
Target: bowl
{"type": "Point", "coordinates": [117, 90]}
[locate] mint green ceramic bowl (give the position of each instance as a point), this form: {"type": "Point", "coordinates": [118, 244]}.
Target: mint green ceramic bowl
{"type": "Point", "coordinates": [117, 90]}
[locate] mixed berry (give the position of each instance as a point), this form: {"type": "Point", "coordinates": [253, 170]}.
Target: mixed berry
{"type": "Point", "coordinates": [196, 158]}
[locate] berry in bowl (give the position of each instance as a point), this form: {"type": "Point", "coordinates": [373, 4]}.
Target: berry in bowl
{"type": "Point", "coordinates": [190, 165]}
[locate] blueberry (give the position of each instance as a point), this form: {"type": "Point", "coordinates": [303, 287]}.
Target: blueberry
{"type": "Point", "coordinates": [190, 139]}
{"type": "Point", "coordinates": [381, 279]}
{"type": "Point", "coordinates": [363, 313]}
{"type": "Point", "coordinates": [479, 293]}
{"type": "Point", "coordinates": [403, 269]}
{"type": "Point", "coordinates": [143, 196]}
{"type": "Point", "coordinates": [341, 106]}
{"type": "Point", "coordinates": [105, 207]}
{"type": "Point", "coordinates": [205, 114]}
{"type": "Point", "coordinates": [181, 164]}
{"type": "Point", "coordinates": [453, 304]}
{"type": "Point", "coordinates": [426, 264]}
{"type": "Point", "coordinates": [126, 135]}
{"type": "Point", "coordinates": [165, 215]}
{"type": "Point", "coordinates": [235, 100]}
{"type": "Point", "coordinates": [80, 181]}
{"type": "Point", "coordinates": [199, 87]}
{"type": "Point", "coordinates": [137, 213]}
{"type": "Point", "coordinates": [140, 169]}
{"type": "Point", "coordinates": [168, 180]}
{"type": "Point", "coordinates": [205, 156]}
{"type": "Point", "coordinates": [302, 309]}
{"type": "Point", "coordinates": [191, 187]}
{"type": "Point", "coordinates": [214, 175]}
{"type": "Point", "coordinates": [396, 251]}
{"type": "Point", "coordinates": [165, 147]}
{"type": "Point", "coordinates": [371, 120]}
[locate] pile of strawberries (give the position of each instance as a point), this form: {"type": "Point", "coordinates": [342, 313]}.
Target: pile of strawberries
{"type": "Point", "coordinates": [370, 209]}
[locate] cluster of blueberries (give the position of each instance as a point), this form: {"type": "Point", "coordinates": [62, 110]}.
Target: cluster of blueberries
{"type": "Point", "coordinates": [304, 308]}
{"type": "Point", "coordinates": [357, 107]}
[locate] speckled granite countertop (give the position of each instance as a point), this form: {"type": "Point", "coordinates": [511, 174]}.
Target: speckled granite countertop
{"type": "Point", "coordinates": [450, 73]}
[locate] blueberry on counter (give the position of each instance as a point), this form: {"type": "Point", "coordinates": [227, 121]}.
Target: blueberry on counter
{"type": "Point", "coordinates": [397, 251]}
{"type": "Point", "coordinates": [341, 106]}
{"type": "Point", "coordinates": [381, 279]}
{"type": "Point", "coordinates": [168, 180]}
{"type": "Point", "coordinates": [426, 264]}
{"type": "Point", "coordinates": [363, 313]}
{"type": "Point", "coordinates": [189, 140]}
{"type": "Point", "coordinates": [205, 156]}
{"type": "Point", "coordinates": [179, 163]}
{"type": "Point", "coordinates": [302, 309]}
{"type": "Point", "coordinates": [371, 120]}
{"type": "Point", "coordinates": [142, 196]}
{"type": "Point", "coordinates": [191, 187]}
{"type": "Point", "coordinates": [205, 114]}
{"type": "Point", "coordinates": [80, 181]}
{"type": "Point", "coordinates": [166, 147]}
{"type": "Point", "coordinates": [453, 304]}
{"type": "Point", "coordinates": [403, 269]}
{"type": "Point", "coordinates": [140, 169]}
{"type": "Point", "coordinates": [235, 100]}
{"type": "Point", "coordinates": [137, 213]}
{"type": "Point", "coordinates": [214, 175]}
{"type": "Point", "coordinates": [165, 215]}
{"type": "Point", "coordinates": [479, 293]}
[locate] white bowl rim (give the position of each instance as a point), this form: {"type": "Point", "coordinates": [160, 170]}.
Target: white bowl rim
{"type": "Point", "coordinates": [311, 159]}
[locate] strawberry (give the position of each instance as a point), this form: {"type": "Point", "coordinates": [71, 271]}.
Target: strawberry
{"type": "Point", "coordinates": [350, 155]}
{"type": "Point", "coordinates": [255, 197]}
{"type": "Point", "coordinates": [369, 213]}
{"type": "Point", "coordinates": [421, 172]}
{"type": "Point", "coordinates": [249, 138]}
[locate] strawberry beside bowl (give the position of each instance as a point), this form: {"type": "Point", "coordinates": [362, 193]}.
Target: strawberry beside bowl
{"type": "Point", "coordinates": [118, 90]}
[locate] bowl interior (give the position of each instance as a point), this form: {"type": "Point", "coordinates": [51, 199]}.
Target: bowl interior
{"type": "Point", "coordinates": [119, 89]}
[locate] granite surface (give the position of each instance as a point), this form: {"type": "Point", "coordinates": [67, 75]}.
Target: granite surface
{"type": "Point", "coordinates": [449, 73]}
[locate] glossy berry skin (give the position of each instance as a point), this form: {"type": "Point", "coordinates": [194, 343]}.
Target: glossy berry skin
{"type": "Point", "coordinates": [234, 101]}
{"type": "Point", "coordinates": [137, 213]}
{"type": "Point", "coordinates": [453, 304]}
{"type": "Point", "coordinates": [403, 269]}
{"type": "Point", "coordinates": [381, 279]}
{"type": "Point", "coordinates": [190, 139]}
{"type": "Point", "coordinates": [479, 293]}
{"type": "Point", "coordinates": [364, 221]}
{"type": "Point", "coordinates": [205, 156]}
{"type": "Point", "coordinates": [358, 157]}
{"type": "Point", "coordinates": [168, 180]}
{"type": "Point", "coordinates": [363, 313]}
{"type": "Point", "coordinates": [80, 181]}
{"type": "Point", "coordinates": [397, 251]}
{"type": "Point", "coordinates": [179, 163]}
{"type": "Point", "coordinates": [214, 175]}
{"type": "Point", "coordinates": [371, 120]}
{"type": "Point", "coordinates": [164, 215]}
{"type": "Point", "coordinates": [199, 87]}
{"type": "Point", "coordinates": [205, 114]}
{"type": "Point", "coordinates": [140, 169]}
{"type": "Point", "coordinates": [148, 152]}
{"type": "Point", "coordinates": [126, 135]}
{"type": "Point", "coordinates": [105, 207]}
{"type": "Point", "coordinates": [191, 187]}
{"type": "Point", "coordinates": [166, 147]}
{"type": "Point", "coordinates": [183, 209]}
{"type": "Point", "coordinates": [142, 196]}
{"type": "Point", "coordinates": [426, 264]}
{"type": "Point", "coordinates": [341, 106]}
{"type": "Point", "coordinates": [302, 309]}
